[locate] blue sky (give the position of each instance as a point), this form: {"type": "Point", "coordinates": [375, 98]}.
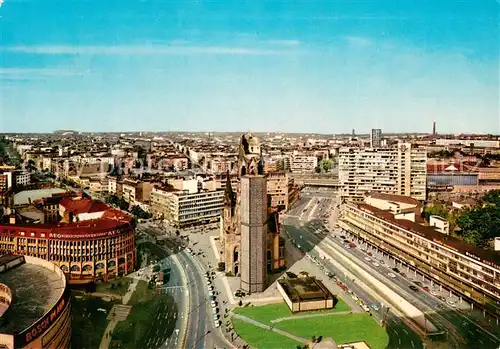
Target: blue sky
{"type": "Point", "coordinates": [249, 65]}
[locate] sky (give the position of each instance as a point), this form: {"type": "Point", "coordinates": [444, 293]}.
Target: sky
{"type": "Point", "coordinates": [311, 66]}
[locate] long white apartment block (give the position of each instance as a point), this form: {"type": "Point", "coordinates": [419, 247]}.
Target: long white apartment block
{"type": "Point", "coordinates": [400, 170]}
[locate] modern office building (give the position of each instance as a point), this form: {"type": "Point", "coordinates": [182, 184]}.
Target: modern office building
{"type": "Point", "coordinates": [90, 241]}
{"type": "Point", "coordinates": [253, 229]}
{"type": "Point", "coordinates": [451, 174]}
{"type": "Point", "coordinates": [35, 304]}
{"type": "Point", "coordinates": [472, 272]}
{"type": "Point", "coordinates": [282, 190]}
{"type": "Point", "coordinates": [376, 138]}
{"type": "Point", "coordinates": [183, 208]}
{"type": "Point", "coordinates": [400, 171]}
{"type": "Point", "coordinates": [303, 163]}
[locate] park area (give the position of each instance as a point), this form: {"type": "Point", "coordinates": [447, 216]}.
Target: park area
{"type": "Point", "coordinates": [88, 323]}
{"type": "Point", "coordinates": [152, 318]}
{"type": "Point", "coordinates": [339, 324]}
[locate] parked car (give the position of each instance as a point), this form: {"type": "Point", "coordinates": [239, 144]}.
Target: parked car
{"type": "Point", "coordinates": [413, 288]}
{"type": "Point", "coordinates": [375, 307]}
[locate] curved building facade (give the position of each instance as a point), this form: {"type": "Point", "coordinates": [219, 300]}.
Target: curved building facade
{"type": "Point", "coordinates": [93, 246]}
{"type": "Point", "coordinates": [39, 315]}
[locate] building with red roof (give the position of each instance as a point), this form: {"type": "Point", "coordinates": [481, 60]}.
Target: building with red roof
{"type": "Point", "coordinates": [91, 241]}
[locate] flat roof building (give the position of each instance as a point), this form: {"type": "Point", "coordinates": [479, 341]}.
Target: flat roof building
{"type": "Point", "coordinates": [305, 294]}
{"type": "Point", "coordinates": [400, 170]}
{"type": "Point", "coordinates": [470, 271]}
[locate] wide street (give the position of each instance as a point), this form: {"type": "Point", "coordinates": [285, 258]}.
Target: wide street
{"type": "Point", "coordinates": [201, 330]}
{"type": "Point", "coordinates": [462, 331]}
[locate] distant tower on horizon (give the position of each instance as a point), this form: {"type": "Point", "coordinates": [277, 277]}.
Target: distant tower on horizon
{"type": "Point", "coordinates": [434, 128]}
{"type": "Point", "coordinates": [376, 138]}
{"type": "Point", "coordinates": [353, 132]}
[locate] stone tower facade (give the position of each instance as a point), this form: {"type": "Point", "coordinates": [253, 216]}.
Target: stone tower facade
{"type": "Point", "coordinates": [253, 231]}
{"type": "Point", "coordinates": [234, 220]}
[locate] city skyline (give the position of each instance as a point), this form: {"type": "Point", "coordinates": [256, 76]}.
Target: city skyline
{"type": "Point", "coordinates": [263, 66]}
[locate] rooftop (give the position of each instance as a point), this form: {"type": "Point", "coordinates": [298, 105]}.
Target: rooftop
{"type": "Point", "coordinates": [305, 288]}
{"type": "Point", "coordinates": [24, 197]}
{"type": "Point", "coordinates": [431, 234]}
{"type": "Point", "coordinates": [393, 198]}
{"type": "Point", "coordinates": [83, 205]}
{"type": "Point", "coordinates": [35, 290]}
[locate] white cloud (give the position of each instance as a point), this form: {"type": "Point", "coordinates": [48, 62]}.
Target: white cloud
{"type": "Point", "coordinates": [141, 50]}
{"type": "Point", "coordinates": [34, 73]}
{"type": "Point", "coordinates": [289, 43]}
{"type": "Point", "coordinates": [358, 41]}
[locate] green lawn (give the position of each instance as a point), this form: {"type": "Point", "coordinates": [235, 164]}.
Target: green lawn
{"type": "Point", "coordinates": [118, 286]}
{"type": "Point", "coordinates": [267, 313]}
{"type": "Point", "coordinates": [262, 339]}
{"type": "Point", "coordinates": [154, 251]}
{"type": "Point", "coordinates": [88, 324]}
{"type": "Point", "coordinates": [342, 328]}
{"type": "Point", "coordinates": [153, 316]}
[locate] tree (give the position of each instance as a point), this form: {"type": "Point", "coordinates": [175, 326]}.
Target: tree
{"type": "Point", "coordinates": [31, 166]}
{"type": "Point", "coordinates": [140, 213]}
{"type": "Point", "coordinates": [435, 210]}
{"type": "Point", "coordinates": [480, 224]}
{"type": "Point", "coordinates": [318, 169]}
{"type": "Point", "coordinates": [327, 165]}
{"type": "Point", "coordinates": [492, 197]}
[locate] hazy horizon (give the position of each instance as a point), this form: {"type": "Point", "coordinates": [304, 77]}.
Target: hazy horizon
{"type": "Point", "coordinates": [310, 67]}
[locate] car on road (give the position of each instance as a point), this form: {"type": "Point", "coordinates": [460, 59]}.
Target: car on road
{"type": "Point", "coordinates": [210, 287]}
{"type": "Point", "coordinates": [239, 293]}
{"type": "Point", "coordinates": [392, 275]}
{"type": "Point", "coordinates": [396, 270]}
{"type": "Point", "coordinates": [209, 282]}
{"type": "Point", "coordinates": [375, 307]}
{"type": "Point", "coordinates": [365, 308]}
{"type": "Point", "coordinates": [213, 304]}
{"type": "Point", "coordinates": [413, 288]}
{"type": "Point", "coordinates": [368, 259]}
{"type": "Point", "coordinates": [215, 311]}
{"type": "Point", "coordinates": [381, 262]}
{"type": "Point", "coordinates": [451, 302]}
{"type": "Point", "coordinates": [433, 292]}
{"type": "Point", "coordinates": [211, 293]}
{"type": "Point", "coordinates": [425, 288]}
{"type": "Point", "coordinates": [375, 264]}
{"type": "Point", "coordinates": [218, 323]}
{"type": "Point", "coordinates": [216, 317]}
{"type": "Point", "coordinates": [418, 283]}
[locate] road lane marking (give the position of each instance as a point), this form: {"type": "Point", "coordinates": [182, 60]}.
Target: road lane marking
{"type": "Point", "coordinates": [405, 331]}
{"type": "Point", "coordinates": [412, 344]}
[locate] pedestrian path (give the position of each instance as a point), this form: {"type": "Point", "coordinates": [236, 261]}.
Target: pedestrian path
{"type": "Point", "coordinates": [311, 316]}
{"type": "Point", "coordinates": [270, 328]}
{"type": "Point", "coordinates": [106, 338]}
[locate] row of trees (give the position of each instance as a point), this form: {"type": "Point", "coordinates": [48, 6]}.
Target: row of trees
{"type": "Point", "coordinates": [481, 223]}
{"type": "Point", "coordinates": [136, 210]}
